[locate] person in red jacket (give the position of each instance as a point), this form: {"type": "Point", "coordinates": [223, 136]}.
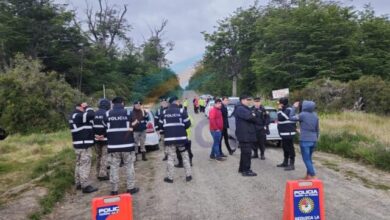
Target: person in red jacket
{"type": "Point", "coordinates": [216, 127]}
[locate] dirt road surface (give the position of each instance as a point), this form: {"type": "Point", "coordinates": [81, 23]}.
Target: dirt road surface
{"type": "Point", "coordinates": [218, 191]}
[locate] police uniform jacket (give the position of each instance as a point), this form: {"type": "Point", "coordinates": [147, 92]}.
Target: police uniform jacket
{"type": "Point", "coordinates": [98, 126]}
{"type": "Point", "coordinates": [157, 118]}
{"type": "Point", "coordinates": [119, 136]}
{"type": "Point", "coordinates": [286, 128]}
{"type": "Point", "coordinates": [174, 122]}
{"type": "Point", "coordinates": [80, 124]}
{"type": "Point", "coordinates": [245, 124]}
{"type": "Point", "coordinates": [262, 118]}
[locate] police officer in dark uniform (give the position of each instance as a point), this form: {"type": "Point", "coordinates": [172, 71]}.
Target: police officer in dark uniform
{"type": "Point", "coordinates": [175, 121]}
{"type": "Point", "coordinates": [101, 140]}
{"type": "Point", "coordinates": [80, 124]}
{"type": "Point", "coordinates": [246, 134]}
{"type": "Point", "coordinates": [287, 131]}
{"type": "Point", "coordinates": [262, 118]}
{"type": "Point", "coordinates": [163, 106]}
{"type": "Point", "coordinates": [120, 145]}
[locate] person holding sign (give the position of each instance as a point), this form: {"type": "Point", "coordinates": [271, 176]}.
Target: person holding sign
{"type": "Point", "coordinates": [309, 133]}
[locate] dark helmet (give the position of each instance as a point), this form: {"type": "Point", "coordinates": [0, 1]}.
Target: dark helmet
{"type": "Point", "coordinates": [283, 101]}
{"type": "Point", "coordinates": [104, 104]}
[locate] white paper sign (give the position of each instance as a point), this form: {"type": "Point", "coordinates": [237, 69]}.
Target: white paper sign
{"type": "Point", "coordinates": [277, 94]}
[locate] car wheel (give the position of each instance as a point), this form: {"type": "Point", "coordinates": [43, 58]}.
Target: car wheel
{"type": "Point", "coordinates": [152, 148]}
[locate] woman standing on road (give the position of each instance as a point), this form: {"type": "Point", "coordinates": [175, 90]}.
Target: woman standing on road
{"type": "Point", "coordinates": [309, 133]}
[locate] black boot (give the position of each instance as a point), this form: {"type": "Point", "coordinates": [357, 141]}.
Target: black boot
{"type": "Point", "coordinates": [89, 189]}
{"type": "Point", "coordinates": [133, 190]}
{"type": "Point", "coordinates": [291, 165]}
{"type": "Point", "coordinates": [284, 164]}
{"type": "Point", "coordinates": [179, 165]}
{"type": "Point", "coordinates": [165, 158]}
{"type": "Point", "coordinates": [144, 156]}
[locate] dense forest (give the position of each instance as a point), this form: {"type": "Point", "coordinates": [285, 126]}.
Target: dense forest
{"type": "Point", "coordinates": [49, 60]}
{"type": "Point", "coordinates": [297, 45]}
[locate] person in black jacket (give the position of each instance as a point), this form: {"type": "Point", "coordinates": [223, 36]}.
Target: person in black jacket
{"type": "Point", "coordinates": [246, 134]}
{"type": "Point", "coordinates": [175, 121]}
{"type": "Point", "coordinates": [287, 131]}
{"type": "Point", "coordinates": [121, 145]}
{"type": "Point", "coordinates": [163, 106]}
{"type": "Point", "coordinates": [262, 118]}
{"type": "Point", "coordinates": [101, 140]}
{"type": "Point", "coordinates": [225, 135]}
{"type": "Point", "coordinates": [80, 123]}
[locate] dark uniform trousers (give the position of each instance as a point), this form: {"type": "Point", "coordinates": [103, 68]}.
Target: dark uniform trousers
{"type": "Point", "coordinates": [288, 148]}
{"type": "Point", "coordinates": [260, 144]}
{"type": "Point", "coordinates": [225, 136]}
{"type": "Point", "coordinates": [188, 148]}
{"type": "Point", "coordinates": [246, 154]}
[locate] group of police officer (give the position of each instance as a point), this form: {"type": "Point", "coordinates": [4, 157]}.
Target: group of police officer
{"type": "Point", "coordinates": [252, 126]}
{"type": "Point", "coordinates": [119, 135]}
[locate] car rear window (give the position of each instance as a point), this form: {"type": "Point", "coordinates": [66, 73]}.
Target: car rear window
{"type": "Point", "coordinates": [273, 115]}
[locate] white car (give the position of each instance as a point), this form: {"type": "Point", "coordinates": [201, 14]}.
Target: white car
{"type": "Point", "coordinates": [208, 107]}
{"type": "Point", "coordinates": [152, 137]}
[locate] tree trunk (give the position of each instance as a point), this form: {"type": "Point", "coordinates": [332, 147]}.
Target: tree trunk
{"type": "Point", "coordinates": [234, 86]}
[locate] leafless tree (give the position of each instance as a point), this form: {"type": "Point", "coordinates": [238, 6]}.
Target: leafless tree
{"type": "Point", "coordinates": [107, 25]}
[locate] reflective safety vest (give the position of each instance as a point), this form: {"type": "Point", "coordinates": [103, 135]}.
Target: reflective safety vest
{"type": "Point", "coordinates": [174, 121]}
{"type": "Point", "coordinates": [286, 128]}
{"type": "Point", "coordinates": [80, 124]}
{"type": "Point", "coordinates": [119, 136]}
{"type": "Point", "coordinates": [98, 126]}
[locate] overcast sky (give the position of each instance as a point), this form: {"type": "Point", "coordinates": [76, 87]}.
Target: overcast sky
{"type": "Point", "coordinates": [187, 18]}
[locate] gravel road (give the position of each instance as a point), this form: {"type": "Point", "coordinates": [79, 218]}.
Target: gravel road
{"type": "Point", "coordinates": [218, 191]}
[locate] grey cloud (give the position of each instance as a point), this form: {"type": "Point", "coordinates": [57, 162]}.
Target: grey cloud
{"type": "Point", "coordinates": [187, 18]}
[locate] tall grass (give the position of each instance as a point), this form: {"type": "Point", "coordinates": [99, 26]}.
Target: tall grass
{"type": "Point", "coordinates": [20, 155]}
{"type": "Point", "coordinates": [58, 182]}
{"type": "Point", "coordinates": [359, 136]}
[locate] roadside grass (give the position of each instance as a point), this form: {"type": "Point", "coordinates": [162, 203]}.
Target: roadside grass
{"type": "Point", "coordinates": [48, 159]}
{"type": "Point", "coordinates": [20, 154]}
{"type": "Point", "coordinates": [58, 179]}
{"type": "Point", "coordinates": [360, 136]}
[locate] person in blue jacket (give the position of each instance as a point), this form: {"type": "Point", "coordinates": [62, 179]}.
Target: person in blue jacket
{"type": "Point", "coordinates": [309, 133]}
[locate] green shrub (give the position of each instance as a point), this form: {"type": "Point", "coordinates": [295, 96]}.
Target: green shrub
{"type": "Point", "coordinates": [326, 93]}
{"type": "Point", "coordinates": [375, 93]}
{"type": "Point", "coordinates": [33, 100]}
{"type": "Point", "coordinates": [333, 96]}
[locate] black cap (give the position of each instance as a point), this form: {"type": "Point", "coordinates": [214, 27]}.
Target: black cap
{"type": "Point", "coordinates": [242, 97]}
{"type": "Point", "coordinates": [172, 99]}
{"type": "Point", "coordinates": [138, 102]}
{"type": "Point", "coordinates": [283, 101]}
{"type": "Point", "coordinates": [257, 99]}
{"type": "Point", "coordinates": [104, 104]}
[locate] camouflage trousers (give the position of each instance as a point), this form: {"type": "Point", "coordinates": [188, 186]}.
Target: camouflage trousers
{"type": "Point", "coordinates": [162, 144]}
{"type": "Point", "coordinates": [101, 160]}
{"type": "Point", "coordinates": [128, 161]}
{"type": "Point", "coordinates": [171, 158]}
{"type": "Point", "coordinates": [139, 139]}
{"type": "Point", "coordinates": [83, 166]}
